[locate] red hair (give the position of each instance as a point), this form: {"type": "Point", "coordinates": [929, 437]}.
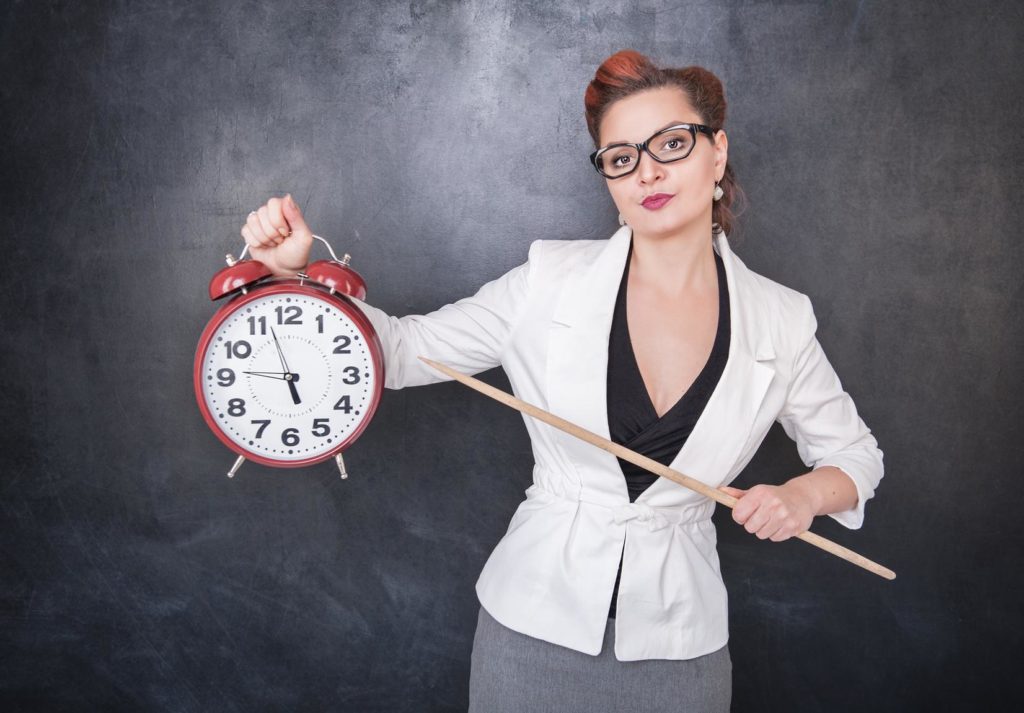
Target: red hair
{"type": "Point", "coordinates": [628, 72]}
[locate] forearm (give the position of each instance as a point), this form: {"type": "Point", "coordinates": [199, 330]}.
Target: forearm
{"type": "Point", "coordinates": [827, 488]}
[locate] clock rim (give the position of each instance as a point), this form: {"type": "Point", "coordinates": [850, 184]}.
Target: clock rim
{"type": "Point", "coordinates": [301, 287]}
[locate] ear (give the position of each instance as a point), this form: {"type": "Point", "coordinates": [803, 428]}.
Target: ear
{"type": "Point", "coordinates": [721, 153]}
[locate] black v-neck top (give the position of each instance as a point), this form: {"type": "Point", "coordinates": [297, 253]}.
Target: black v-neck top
{"type": "Point", "coordinates": [632, 418]}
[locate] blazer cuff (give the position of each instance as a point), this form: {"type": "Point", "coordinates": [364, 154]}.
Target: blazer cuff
{"type": "Point", "coordinates": [855, 470]}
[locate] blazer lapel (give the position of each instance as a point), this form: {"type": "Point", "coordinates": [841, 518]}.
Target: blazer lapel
{"type": "Point", "coordinates": [577, 373]}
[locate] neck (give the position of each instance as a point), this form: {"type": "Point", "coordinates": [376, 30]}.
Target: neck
{"type": "Point", "coordinates": [675, 263]}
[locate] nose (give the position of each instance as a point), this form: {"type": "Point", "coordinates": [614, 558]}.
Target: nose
{"type": "Point", "coordinates": [648, 170]}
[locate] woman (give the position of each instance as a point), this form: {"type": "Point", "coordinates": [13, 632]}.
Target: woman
{"type": "Point", "coordinates": [605, 593]}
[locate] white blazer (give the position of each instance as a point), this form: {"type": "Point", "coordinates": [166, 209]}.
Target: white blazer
{"type": "Point", "coordinates": [547, 322]}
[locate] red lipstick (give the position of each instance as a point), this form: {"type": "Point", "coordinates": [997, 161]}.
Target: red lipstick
{"type": "Point", "coordinates": [657, 200]}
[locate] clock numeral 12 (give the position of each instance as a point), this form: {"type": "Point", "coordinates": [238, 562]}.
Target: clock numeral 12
{"type": "Point", "coordinates": [294, 314]}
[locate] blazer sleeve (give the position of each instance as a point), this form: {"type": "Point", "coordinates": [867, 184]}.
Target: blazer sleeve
{"type": "Point", "coordinates": [822, 418]}
{"type": "Point", "coordinates": [469, 335]}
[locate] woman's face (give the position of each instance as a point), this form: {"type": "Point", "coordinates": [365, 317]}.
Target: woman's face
{"type": "Point", "coordinates": [691, 181]}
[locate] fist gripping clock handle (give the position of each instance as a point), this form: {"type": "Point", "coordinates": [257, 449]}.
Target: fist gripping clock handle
{"type": "Point", "coordinates": [334, 257]}
{"type": "Point", "coordinates": [276, 235]}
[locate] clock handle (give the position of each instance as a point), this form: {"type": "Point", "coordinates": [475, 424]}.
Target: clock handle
{"type": "Point", "coordinates": [334, 257]}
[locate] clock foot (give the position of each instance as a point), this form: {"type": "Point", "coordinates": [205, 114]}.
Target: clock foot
{"type": "Point", "coordinates": [236, 466]}
{"type": "Point", "coordinates": [341, 466]}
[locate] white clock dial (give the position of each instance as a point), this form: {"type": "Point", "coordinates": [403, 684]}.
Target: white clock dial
{"type": "Point", "coordinates": [288, 377]}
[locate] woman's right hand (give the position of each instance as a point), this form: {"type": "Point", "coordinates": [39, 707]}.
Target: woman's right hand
{"type": "Point", "coordinates": [278, 236]}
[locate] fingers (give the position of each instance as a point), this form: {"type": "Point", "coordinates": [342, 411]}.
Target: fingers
{"type": "Point", "coordinates": [266, 227]}
{"type": "Point", "coordinates": [251, 238]}
{"type": "Point", "coordinates": [758, 523]}
{"type": "Point", "coordinates": [762, 514]}
{"type": "Point", "coordinates": [256, 232]}
{"type": "Point", "coordinates": [275, 216]}
{"type": "Point", "coordinates": [269, 230]}
{"type": "Point", "coordinates": [293, 215]}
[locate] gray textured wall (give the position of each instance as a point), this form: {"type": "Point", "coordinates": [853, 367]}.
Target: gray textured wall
{"type": "Point", "coordinates": [878, 142]}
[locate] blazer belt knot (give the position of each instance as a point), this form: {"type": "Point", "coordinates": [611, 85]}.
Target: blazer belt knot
{"type": "Point", "coordinates": [641, 512]}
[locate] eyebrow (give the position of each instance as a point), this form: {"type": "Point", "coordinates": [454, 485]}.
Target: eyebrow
{"type": "Point", "coordinates": [671, 123]}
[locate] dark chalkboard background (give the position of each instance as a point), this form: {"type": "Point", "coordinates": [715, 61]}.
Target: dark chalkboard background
{"type": "Point", "coordinates": [878, 142]}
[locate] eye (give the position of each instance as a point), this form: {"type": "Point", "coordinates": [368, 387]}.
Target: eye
{"type": "Point", "coordinates": [618, 160]}
{"type": "Point", "coordinates": [672, 144]}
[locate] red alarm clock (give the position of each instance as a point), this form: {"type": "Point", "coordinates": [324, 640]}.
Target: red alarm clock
{"type": "Point", "coordinates": [289, 371]}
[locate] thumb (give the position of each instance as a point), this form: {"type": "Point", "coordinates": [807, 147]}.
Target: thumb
{"type": "Point", "coordinates": [735, 492]}
{"type": "Point", "coordinates": [292, 214]}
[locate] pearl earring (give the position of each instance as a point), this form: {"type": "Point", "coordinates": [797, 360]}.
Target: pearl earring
{"type": "Point", "coordinates": [622, 221]}
{"type": "Point", "coordinates": [718, 192]}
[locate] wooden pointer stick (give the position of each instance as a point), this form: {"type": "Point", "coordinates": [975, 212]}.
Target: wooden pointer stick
{"type": "Point", "coordinates": [647, 463]}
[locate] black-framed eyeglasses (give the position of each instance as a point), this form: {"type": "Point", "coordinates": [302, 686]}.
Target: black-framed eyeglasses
{"type": "Point", "coordinates": [670, 144]}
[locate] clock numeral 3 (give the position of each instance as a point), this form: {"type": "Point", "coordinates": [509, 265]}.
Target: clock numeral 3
{"type": "Point", "coordinates": [353, 375]}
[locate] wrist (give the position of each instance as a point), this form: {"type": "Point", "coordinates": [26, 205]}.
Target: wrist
{"type": "Point", "coordinates": [805, 487]}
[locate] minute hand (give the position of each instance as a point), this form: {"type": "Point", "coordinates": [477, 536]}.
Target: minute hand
{"type": "Point", "coordinates": [280, 354]}
{"type": "Point", "coordinates": [283, 375]}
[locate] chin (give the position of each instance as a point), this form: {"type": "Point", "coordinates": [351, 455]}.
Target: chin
{"type": "Point", "coordinates": [656, 224]}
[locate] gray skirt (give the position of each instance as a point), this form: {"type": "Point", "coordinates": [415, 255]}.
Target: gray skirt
{"type": "Point", "coordinates": [512, 672]}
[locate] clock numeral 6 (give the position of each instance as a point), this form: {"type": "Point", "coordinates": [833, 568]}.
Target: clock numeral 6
{"type": "Point", "coordinates": [290, 436]}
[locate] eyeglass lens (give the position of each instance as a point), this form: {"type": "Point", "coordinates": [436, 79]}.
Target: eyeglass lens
{"type": "Point", "coordinates": [671, 145]}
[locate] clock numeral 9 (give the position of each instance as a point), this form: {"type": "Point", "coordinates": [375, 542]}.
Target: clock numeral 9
{"type": "Point", "coordinates": [225, 377]}
{"type": "Point", "coordinates": [294, 314]}
{"type": "Point", "coordinates": [239, 350]}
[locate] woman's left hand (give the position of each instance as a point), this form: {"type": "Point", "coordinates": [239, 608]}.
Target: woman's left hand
{"type": "Point", "coordinates": [775, 512]}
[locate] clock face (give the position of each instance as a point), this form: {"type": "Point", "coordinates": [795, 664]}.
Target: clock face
{"type": "Point", "coordinates": [288, 376]}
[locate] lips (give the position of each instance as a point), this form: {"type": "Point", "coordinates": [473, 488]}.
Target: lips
{"type": "Point", "coordinates": [657, 200]}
